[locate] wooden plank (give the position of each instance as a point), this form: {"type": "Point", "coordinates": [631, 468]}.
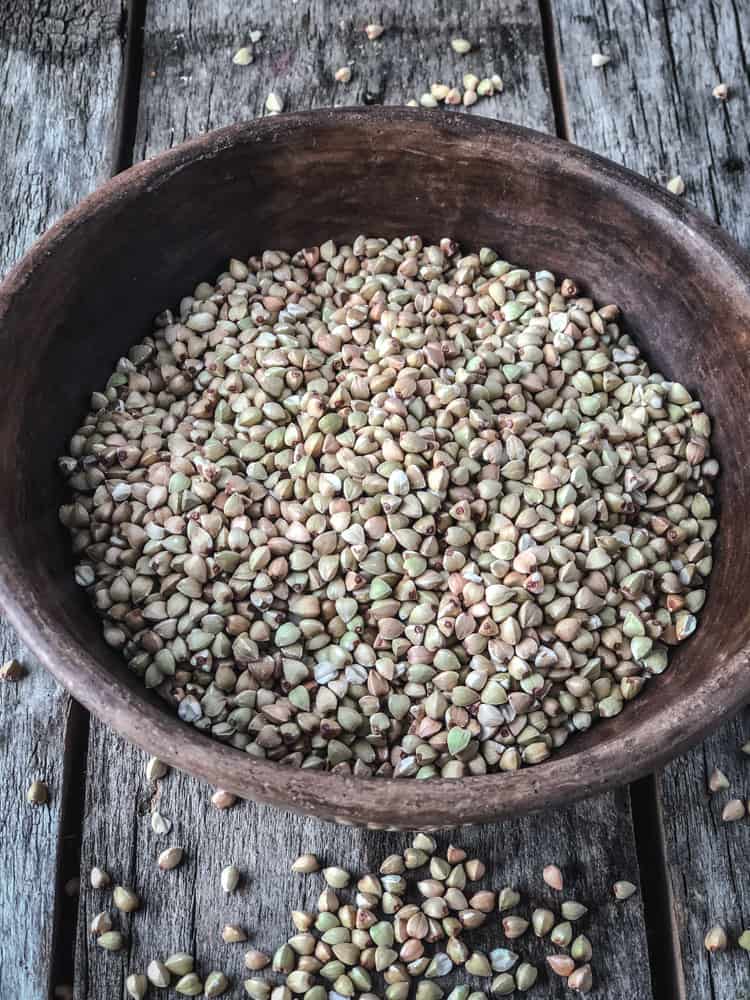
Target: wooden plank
{"type": "Point", "coordinates": [652, 109]}
{"type": "Point", "coordinates": [190, 85]}
{"type": "Point", "coordinates": [60, 66]}
{"type": "Point", "coordinates": [33, 712]}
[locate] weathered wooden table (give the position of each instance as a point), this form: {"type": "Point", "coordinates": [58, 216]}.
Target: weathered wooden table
{"type": "Point", "coordinates": [88, 87]}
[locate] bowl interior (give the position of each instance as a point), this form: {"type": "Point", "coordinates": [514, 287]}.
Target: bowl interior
{"type": "Point", "coordinates": [79, 301]}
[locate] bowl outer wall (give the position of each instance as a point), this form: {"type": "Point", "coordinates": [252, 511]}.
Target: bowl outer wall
{"type": "Point", "coordinates": [389, 171]}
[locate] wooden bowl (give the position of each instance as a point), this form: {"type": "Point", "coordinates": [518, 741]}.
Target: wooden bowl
{"type": "Point", "coordinates": [90, 287]}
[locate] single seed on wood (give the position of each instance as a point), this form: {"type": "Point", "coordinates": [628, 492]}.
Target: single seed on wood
{"type": "Point", "coordinates": [99, 878]}
{"type": "Point", "coordinates": [158, 974]}
{"type": "Point", "coordinates": [223, 799]}
{"type": "Point", "coordinates": [304, 944]}
{"type": "Point", "coordinates": [189, 985]}
{"type": "Point", "coordinates": [125, 899]}
{"type": "Point", "coordinates": [232, 933]}
{"type": "Point", "coordinates": [581, 949]}
{"type": "Point", "coordinates": [180, 963]}
{"type": "Point", "coordinates": [343, 75]}
{"type": "Point", "coordinates": [744, 940]}
{"type": "Point", "coordinates": [503, 985]}
{"type": "Point", "coordinates": [507, 899]}
{"type": "Point", "coordinates": [478, 964]}
{"type": "Point", "coordinates": [160, 824]}
{"type": "Point", "coordinates": [11, 670]}
{"type": "Point", "coordinates": [514, 927]}
{"type": "Point", "coordinates": [257, 989]}
{"type": "Point", "coordinates": [581, 980]}
{"type": "Point", "coordinates": [469, 98]}
{"type": "Point", "coordinates": [136, 985]}
{"type": "Point", "coordinates": [562, 934]}
{"type": "Point", "coordinates": [542, 921]}
{"type": "Point", "coordinates": [283, 959]}
{"type": "Point", "coordinates": [170, 858]}
{"type": "Point", "coordinates": [746, 748]}
{"type": "Point", "coordinates": [470, 81]}
{"type": "Point", "coordinates": [440, 869]}
{"type": "Point", "coordinates": [428, 101]}
{"type": "Point", "coordinates": [716, 939]}
{"type": "Point", "coordinates": [374, 31]}
{"type": "Point", "coordinates": [156, 769]}
{"type": "Point", "coordinates": [717, 781]}
{"type": "Point", "coordinates": [424, 842]}
{"type": "Point", "coordinates": [526, 976]}
{"type": "Point", "coordinates": [37, 794]}
{"type": "Point", "coordinates": [561, 965]}
{"type": "Point", "coordinates": [216, 984]}
{"type": "Point", "coordinates": [299, 982]}
{"type": "Point", "coordinates": [553, 877]}
{"type": "Point", "coordinates": [623, 890]}
{"type": "Point", "coordinates": [427, 990]}
{"type": "Point", "coordinates": [598, 59]}
{"type": "Point", "coordinates": [274, 104]}
{"type": "Point", "coordinates": [484, 901]}
{"type": "Point", "coordinates": [230, 877]}
{"type": "Point", "coordinates": [337, 878]}
{"type": "Point", "coordinates": [720, 92]}
{"type": "Point", "coordinates": [110, 941]}
{"type": "Point", "coordinates": [676, 185]}
{"type": "Point", "coordinates": [733, 810]}
{"type": "Point", "coordinates": [394, 864]}
{"type": "Point", "coordinates": [101, 923]}
{"type": "Point", "coordinates": [572, 910]}
{"type": "Point", "coordinates": [256, 960]}
{"type": "Point", "coordinates": [302, 920]}
{"type": "Point", "coordinates": [243, 56]}
{"type": "Point", "coordinates": [306, 863]}
{"type": "Point", "coordinates": [255, 36]}
{"type": "Point", "coordinates": [461, 46]}
{"type": "Point", "coordinates": [474, 869]}
{"type": "Point", "coordinates": [502, 959]}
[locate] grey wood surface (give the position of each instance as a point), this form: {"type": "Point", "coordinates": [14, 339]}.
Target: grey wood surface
{"type": "Point", "coordinates": [185, 909]}
{"type": "Point", "coordinates": [652, 109]}
{"type": "Point", "coordinates": [60, 65]}
{"type": "Point", "coordinates": [61, 80]}
{"type": "Point", "coordinates": [190, 85]}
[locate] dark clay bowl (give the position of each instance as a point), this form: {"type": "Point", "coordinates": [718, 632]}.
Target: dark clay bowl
{"type": "Point", "coordinates": [89, 289]}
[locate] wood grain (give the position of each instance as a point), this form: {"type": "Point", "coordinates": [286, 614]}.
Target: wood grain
{"type": "Point", "coordinates": [652, 109]}
{"type": "Point", "coordinates": [60, 66]}
{"type": "Point", "coordinates": [190, 86]}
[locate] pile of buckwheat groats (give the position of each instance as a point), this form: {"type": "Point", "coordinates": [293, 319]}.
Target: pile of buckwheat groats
{"type": "Point", "coordinates": [403, 928]}
{"type": "Point", "coordinates": [390, 509]}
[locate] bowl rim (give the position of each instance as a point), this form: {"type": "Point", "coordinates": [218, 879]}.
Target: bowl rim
{"type": "Point", "coordinates": [376, 802]}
